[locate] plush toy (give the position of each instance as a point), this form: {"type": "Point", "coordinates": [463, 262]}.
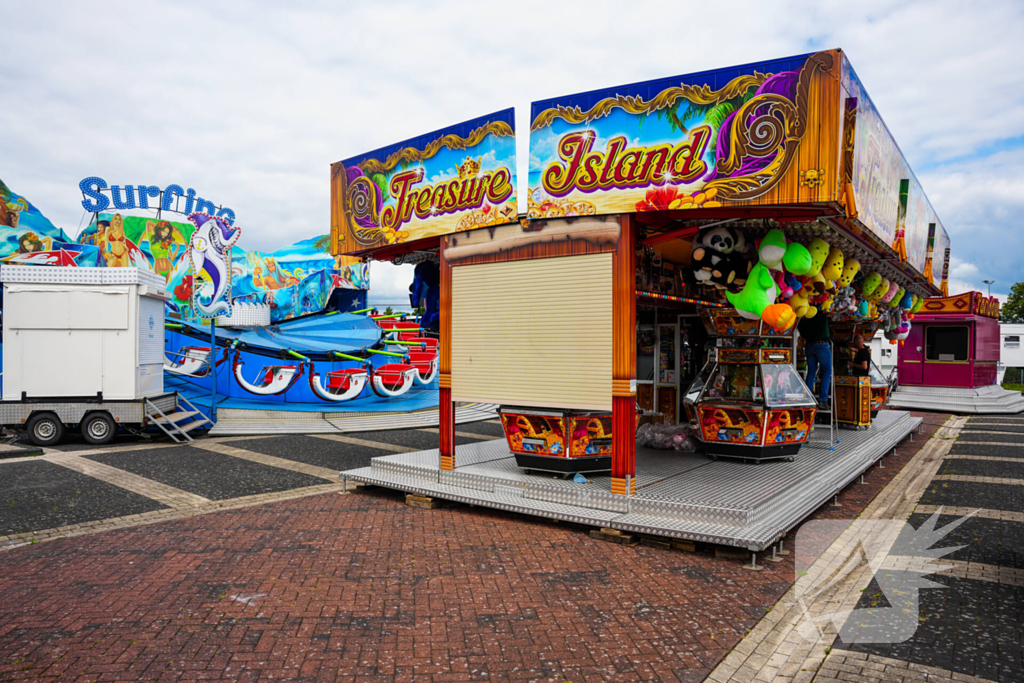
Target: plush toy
{"type": "Point", "coordinates": [917, 305]}
{"type": "Point", "coordinates": [757, 300]}
{"type": "Point", "coordinates": [887, 297]}
{"type": "Point", "coordinates": [850, 270]}
{"type": "Point", "coordinates": [845, 301]}
{"type": "Point", "coordinates": [818, 283]}
{"type": "Point", "coordinates": [833, 268]}
{"type": "Point", "coordinates": [772, 249]}
{"type": "Point", "coordinates": [800, 302]}
{"type": "Point", "coordinates": [907, 302]}
{"type": "Point", "coordinates": [792, 283]}
{"type": "Point", "coordinates": [797, 259]}
{"type": "Point", "coordinates": [785, 291]}
{"type": "Point", "coordinates": [879, 291]}
{"type": "Point", "coordinates": [870, 284]}
{"type": "Point", "coordinates": [725, 271]}
{"type": "Point", "coordinates": [819, 252]}
{"type": "Point", "coordinates": [718, 259]}
{"type": "Point", "coordinates": [863, 308]}
{"type": "Point", "coordinates": [895, 301]}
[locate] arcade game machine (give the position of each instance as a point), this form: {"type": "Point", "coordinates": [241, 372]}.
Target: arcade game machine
{"type": "Point", "coordinates": [748, 401]}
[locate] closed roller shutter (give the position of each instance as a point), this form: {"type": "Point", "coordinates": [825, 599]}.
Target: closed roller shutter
{"type": "Point", "coordinates": [534, 333]}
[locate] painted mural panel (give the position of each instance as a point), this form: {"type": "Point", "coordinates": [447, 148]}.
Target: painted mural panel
{"type": "Point", "coordinates": [748, 135]}
{"type": "Point", "coordinates": [27, 237]}
{"type": "Point", "coordinates": [891, 202]}
{"type": "Point", "coordinates": [451, 180]}
{"type": "Point", "coordinates": [919, 216]}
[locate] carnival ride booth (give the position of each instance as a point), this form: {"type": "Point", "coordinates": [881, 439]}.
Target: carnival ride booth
{"type": "Point", "coordinates": [954, 343]}
{"type": "Point", "coordinates": [782, 197]}
{"type": "Point", "coordinates": [950, 360]}
{"type": "Point", "coordinates": [749, 402]}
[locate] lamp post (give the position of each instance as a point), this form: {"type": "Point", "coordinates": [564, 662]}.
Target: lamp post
{"type": "Point", "coordinates": [989, 283]}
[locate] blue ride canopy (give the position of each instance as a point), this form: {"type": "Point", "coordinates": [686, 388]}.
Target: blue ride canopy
{"type": "Point", "coordinates": [314, 336]}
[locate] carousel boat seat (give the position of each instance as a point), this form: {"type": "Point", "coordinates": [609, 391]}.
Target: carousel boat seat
{"type": "Point", "coordinates": [342, 379]}
{"type": "Point", "coordinates": [426, 364]}
{"type": "Point", "coordinates": [394, 379]}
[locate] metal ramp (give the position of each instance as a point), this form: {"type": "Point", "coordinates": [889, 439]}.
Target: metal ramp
{"type": "Point", "coordinates": [178, 424]}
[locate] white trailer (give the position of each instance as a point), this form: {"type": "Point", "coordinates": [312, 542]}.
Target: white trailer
{"type": "Point", "coordinates": [1011, 353]}
{"type": "Point", "coordinates": [84, 347]}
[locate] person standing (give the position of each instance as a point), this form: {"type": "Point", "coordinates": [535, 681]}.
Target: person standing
{"type": "Point", "coordinates": [861, 363]}
{"type": "Point", "coordinates": [819, 354]}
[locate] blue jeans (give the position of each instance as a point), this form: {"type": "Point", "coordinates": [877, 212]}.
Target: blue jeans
{"type": "Point", "coordinates": [819, 353]}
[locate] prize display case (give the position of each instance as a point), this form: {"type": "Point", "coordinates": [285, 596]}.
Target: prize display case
{"type": "Point", "coordinates": [561, 441]}
{"type": "Point", "coordinates": [749, 401]}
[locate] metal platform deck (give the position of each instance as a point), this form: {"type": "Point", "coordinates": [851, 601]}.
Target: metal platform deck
{"type": "Point", "coordinates": [234, 421]}
{"type": "Point", "coordinates": [990, 400]}
{"type": "Point", "coordinates": [681, 495]}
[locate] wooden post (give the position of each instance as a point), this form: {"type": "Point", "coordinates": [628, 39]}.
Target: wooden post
{"type": "Point", "coordinates": [624, 360]}
{"type": "Point", "coordinates": [445, 409]}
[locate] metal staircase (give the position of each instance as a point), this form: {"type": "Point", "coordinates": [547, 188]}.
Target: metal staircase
{"type": "Point", "coordinates": [184, 419]}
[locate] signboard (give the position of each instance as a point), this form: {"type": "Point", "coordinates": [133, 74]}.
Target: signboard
{"type": "Point", "coordinates": [890, 201]}
{"type": "Point", "coordinates": [455, 179]}
{"type": "Point", "coordinates": [763, 133]}
{"type": "Point", "coordinates": [171, 198]}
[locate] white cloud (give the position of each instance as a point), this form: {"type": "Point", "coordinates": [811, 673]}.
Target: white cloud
{"type": "Point", "coordinates": [249, 103]}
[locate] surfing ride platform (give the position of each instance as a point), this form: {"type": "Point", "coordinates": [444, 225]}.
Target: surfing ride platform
{"type": "Point", "coordinates": [242, 416]}
{"type": "Point", "coordinates": [679, 495]}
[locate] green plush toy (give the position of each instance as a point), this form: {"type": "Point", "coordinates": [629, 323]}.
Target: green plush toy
{"type": "Point", "coordinates": [775, 252]}
{"type": "Point", "coordinates": [870, 284]}
{"type": "Point", "coordinates": [757, 300]}
{"type": "Point", "coordinates": [758, 293]}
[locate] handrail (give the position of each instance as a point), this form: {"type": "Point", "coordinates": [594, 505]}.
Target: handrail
{"type": "Point", "coordinates": [386, 353]}
{"type": "Point", "coordinates": [339, 354]}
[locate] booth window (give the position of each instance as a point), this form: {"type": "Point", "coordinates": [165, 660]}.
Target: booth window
{"type": "Point", "coordinates": [946, 343]}
{"type": "Point", "coordinates": [1012, 341]}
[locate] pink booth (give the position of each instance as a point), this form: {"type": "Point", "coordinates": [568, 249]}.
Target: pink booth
{"type": "Point", "coordinates": [953, 342]}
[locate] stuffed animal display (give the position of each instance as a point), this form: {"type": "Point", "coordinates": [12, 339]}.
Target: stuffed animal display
{"type": "Point", "coordinates": [785, 281]}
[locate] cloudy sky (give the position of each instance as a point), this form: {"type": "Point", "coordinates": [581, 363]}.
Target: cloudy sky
{"type": "Point", "coordinates": [250, 102]}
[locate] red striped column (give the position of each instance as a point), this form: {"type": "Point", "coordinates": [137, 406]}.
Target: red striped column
{"type": "Point", "coordinates": [624, 359]}
{"type": "Point", "coordinates": [446, 409]}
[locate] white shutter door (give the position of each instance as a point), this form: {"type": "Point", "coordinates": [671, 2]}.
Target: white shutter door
{"type": "Point", "coordinates": [534, 333]}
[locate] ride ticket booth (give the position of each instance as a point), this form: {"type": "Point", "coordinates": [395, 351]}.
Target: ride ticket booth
{"type": "Point", "coordinates": [640, 235]}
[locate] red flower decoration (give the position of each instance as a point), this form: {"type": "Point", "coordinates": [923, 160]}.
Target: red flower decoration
{"type": "Point", "coordinates": [183, 292]}
{"type": "Point", "coordinates": [658, 198]}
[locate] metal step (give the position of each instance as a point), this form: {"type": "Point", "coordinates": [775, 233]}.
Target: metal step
{"type": "Point", "coordinates": [176, 417]}
{"type": "Point", "coordinates": [193, 425]}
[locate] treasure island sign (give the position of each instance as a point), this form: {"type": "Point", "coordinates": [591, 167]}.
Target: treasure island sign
{"type": "Point", "coordinates": [455, 179]}
{"type": "Point", "coordinates": [749, 135]}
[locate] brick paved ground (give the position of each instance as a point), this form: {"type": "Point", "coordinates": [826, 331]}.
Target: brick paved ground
{"type": "Point", "coordinates": [363, 587]}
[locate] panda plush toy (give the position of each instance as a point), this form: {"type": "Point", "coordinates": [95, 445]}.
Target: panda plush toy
{"type": "Point", "coordinates": [718, 258]}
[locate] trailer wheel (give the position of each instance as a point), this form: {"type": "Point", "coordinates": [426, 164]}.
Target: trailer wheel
{"type": "Point", "coordinates": [45, 429]}
{"type": "Point", "coordinates": [98, 428]}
